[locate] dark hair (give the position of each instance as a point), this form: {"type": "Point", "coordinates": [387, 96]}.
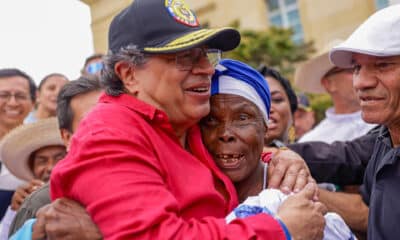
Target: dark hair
{"type": "Point", "coordinates": [269, 72]}
{"type": "Point", "coordinates": [14, 72]}
{"type": "Point", "coordinates": [91, 57]}
{"type": "Point", "coordinates": [44, 80]}
{"type": "Point", "coordinates": [111, 82]}
{"type": "Point", "coordinates": [73, 88]}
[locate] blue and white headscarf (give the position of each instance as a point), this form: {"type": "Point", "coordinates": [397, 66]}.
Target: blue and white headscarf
{"type": "Point", "coordinates": [234, 77]}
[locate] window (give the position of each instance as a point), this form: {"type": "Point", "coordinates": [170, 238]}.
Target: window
{"type": "Point", "coordinates": [285, 13]}
{"type": "Point", "coordinates": [381, 4]}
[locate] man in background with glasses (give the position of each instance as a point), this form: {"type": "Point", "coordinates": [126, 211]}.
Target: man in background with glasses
{"type": "Point", "coordinates": [17, 97]}
{"type": "Point", "coordinates": [137, 161]}
{"type": "Point", "coordinates": [93, 65]}
{"type": "Point", "coordinates": [343, 120]}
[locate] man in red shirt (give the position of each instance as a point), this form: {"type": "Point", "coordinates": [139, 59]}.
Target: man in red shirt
{"type": "Point", "coordinates": [137, 162]}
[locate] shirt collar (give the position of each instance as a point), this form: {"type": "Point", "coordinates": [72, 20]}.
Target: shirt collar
{"type": "Point", "coordinates": [146, 110]}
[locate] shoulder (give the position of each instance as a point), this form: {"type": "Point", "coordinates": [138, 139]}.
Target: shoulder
{"type": "Point", "coordinates": [37, 199]}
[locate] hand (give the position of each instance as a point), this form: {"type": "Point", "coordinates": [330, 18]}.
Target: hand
{"type": "Point", "coordinates": [302, 216]}
{"type": "Point", "coordinates": [65, 219]}
{"type": "Point", "coordinates": [23, 191]}
{"type": "Point", "coordinates": [288, 171]}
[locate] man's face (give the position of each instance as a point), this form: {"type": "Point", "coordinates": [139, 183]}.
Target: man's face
{"type": "Point", "coordinates": [340, 83]}
{"type": "Point", "coordinates": [179, 90]}
{"type": "Point", "coordinates": [303, 121]}
{"type": "Point", "coordinates": [45, 159]}
{"type": "Point", "coordinates": [15, 101]}
{"type": "Point", "coordinates": [81, 105]}
{"type": "Point", "coordinates": [377, 84]}
{"type": "Point", "coordinates": [93, 67]}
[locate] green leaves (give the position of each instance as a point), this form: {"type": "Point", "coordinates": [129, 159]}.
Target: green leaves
{"type": "Point", "coordinates": [274, 48]}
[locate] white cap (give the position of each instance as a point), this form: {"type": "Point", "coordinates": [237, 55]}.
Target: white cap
{"type": "Point", "coordinates": [378, 36]}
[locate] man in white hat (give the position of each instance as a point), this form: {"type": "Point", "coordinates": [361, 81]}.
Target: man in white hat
{"type": "Point", "coordinates": [30, 152]}
{"type": "Point", "coordinates": [343, 121]}
{"type": "Point", "coordinates": [373, 51]}
{"type": "Point", "coordinates": [76, 98]}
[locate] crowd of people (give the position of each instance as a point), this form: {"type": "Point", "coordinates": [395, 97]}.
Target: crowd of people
{"type": "Point", "coordinates": [160, 138]}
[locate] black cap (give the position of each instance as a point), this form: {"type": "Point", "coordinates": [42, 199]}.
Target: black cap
{"type": "Point", "coordinates": [165, 26]}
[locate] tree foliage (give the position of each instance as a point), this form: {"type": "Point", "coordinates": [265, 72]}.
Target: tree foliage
{"type": "Point", "coordinates": [273, 47]}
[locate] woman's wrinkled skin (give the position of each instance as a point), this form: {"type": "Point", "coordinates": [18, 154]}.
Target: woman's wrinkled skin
{"type": "Point", "coordinates": [234, 136]}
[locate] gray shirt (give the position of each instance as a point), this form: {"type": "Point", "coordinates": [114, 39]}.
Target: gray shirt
{"type": "Point", "coordinates": [30, 206]}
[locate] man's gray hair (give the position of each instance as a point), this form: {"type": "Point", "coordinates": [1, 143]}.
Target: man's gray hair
{"type": "Point", "coordinates": [111, 82]}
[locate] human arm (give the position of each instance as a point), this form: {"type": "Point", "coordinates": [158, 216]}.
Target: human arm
{"type": "Point", "coordinates": [65, 219]}
{"type": "Point", "coordinates": [349, 206]}
{"type": "Point", "coordinates": [342, 163]}
{"type": "Point", "coordinates": [130, 196]}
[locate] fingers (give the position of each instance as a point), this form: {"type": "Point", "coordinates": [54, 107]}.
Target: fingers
{"type": "Point", "coordinates": [301, 180]}
{"type": "Point", "coordinates": [288, 171]}
{"type": "Point", "coordinates": [321, 208]}
{"type": "Point", "coordinates": [38, 229]}
{"type": "Point", "coordinates": [18, 198]}
{"type": "Point", "coordinates": [291, 177]}
{"type": "Point", "coordinates": [276, 174]}
{"type": "Point", "coordinates": [309, 191]}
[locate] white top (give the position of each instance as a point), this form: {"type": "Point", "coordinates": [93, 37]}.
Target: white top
{"type": "Point", "coordinates": [338, 127]}
{"type": "Point", "coordinates": [6, 223]}
{"type": "Point", "coordinates": [9, 181]}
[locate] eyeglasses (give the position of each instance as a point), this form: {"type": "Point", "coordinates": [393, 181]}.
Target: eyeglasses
{"type": "Point", "coordinates": [20, 97]}
{"type": "Point", "coordinates": [95, 67]}
{"type": "Point", "coordinates": [337, 70]}
{"type": "Point", "coordinates": [186, 60]}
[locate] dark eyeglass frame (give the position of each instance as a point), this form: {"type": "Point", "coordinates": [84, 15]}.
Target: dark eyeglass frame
{"type": "Point", "coordinates": [5, 96]}
{"type": "Point", "coordinates": [186, 60]}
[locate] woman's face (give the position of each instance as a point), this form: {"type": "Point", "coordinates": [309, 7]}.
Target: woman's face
{"type": "Point", "coordinates": [233, 133]}
{"type": "Point", "coordinates": [281, 118]}
{"type": "Point", "coordinates": [47, 95]}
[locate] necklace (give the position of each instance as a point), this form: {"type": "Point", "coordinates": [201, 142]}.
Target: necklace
{"type": "Point", "coordinates": [265, 176]}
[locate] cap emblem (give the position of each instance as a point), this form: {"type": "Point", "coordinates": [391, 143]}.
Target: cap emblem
{"type": "Point", "coordinates": [181, 12]}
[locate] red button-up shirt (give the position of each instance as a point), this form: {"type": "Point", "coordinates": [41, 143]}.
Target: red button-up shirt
{"type": "Point", "coordinates": [127, 167]}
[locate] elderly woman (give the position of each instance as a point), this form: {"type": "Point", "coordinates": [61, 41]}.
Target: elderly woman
{"type": "Point", "coordinates": [30, 152]}
{"type": "Point", "coordinates": [234, 131]}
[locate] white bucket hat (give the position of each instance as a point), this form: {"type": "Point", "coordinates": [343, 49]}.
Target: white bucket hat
{"type": "Point", "coordinates": [308, 75]}
{"type": "Point", "coordinates": [21, 142]}
{"type": "Point", "coordinates": [378, 36]}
